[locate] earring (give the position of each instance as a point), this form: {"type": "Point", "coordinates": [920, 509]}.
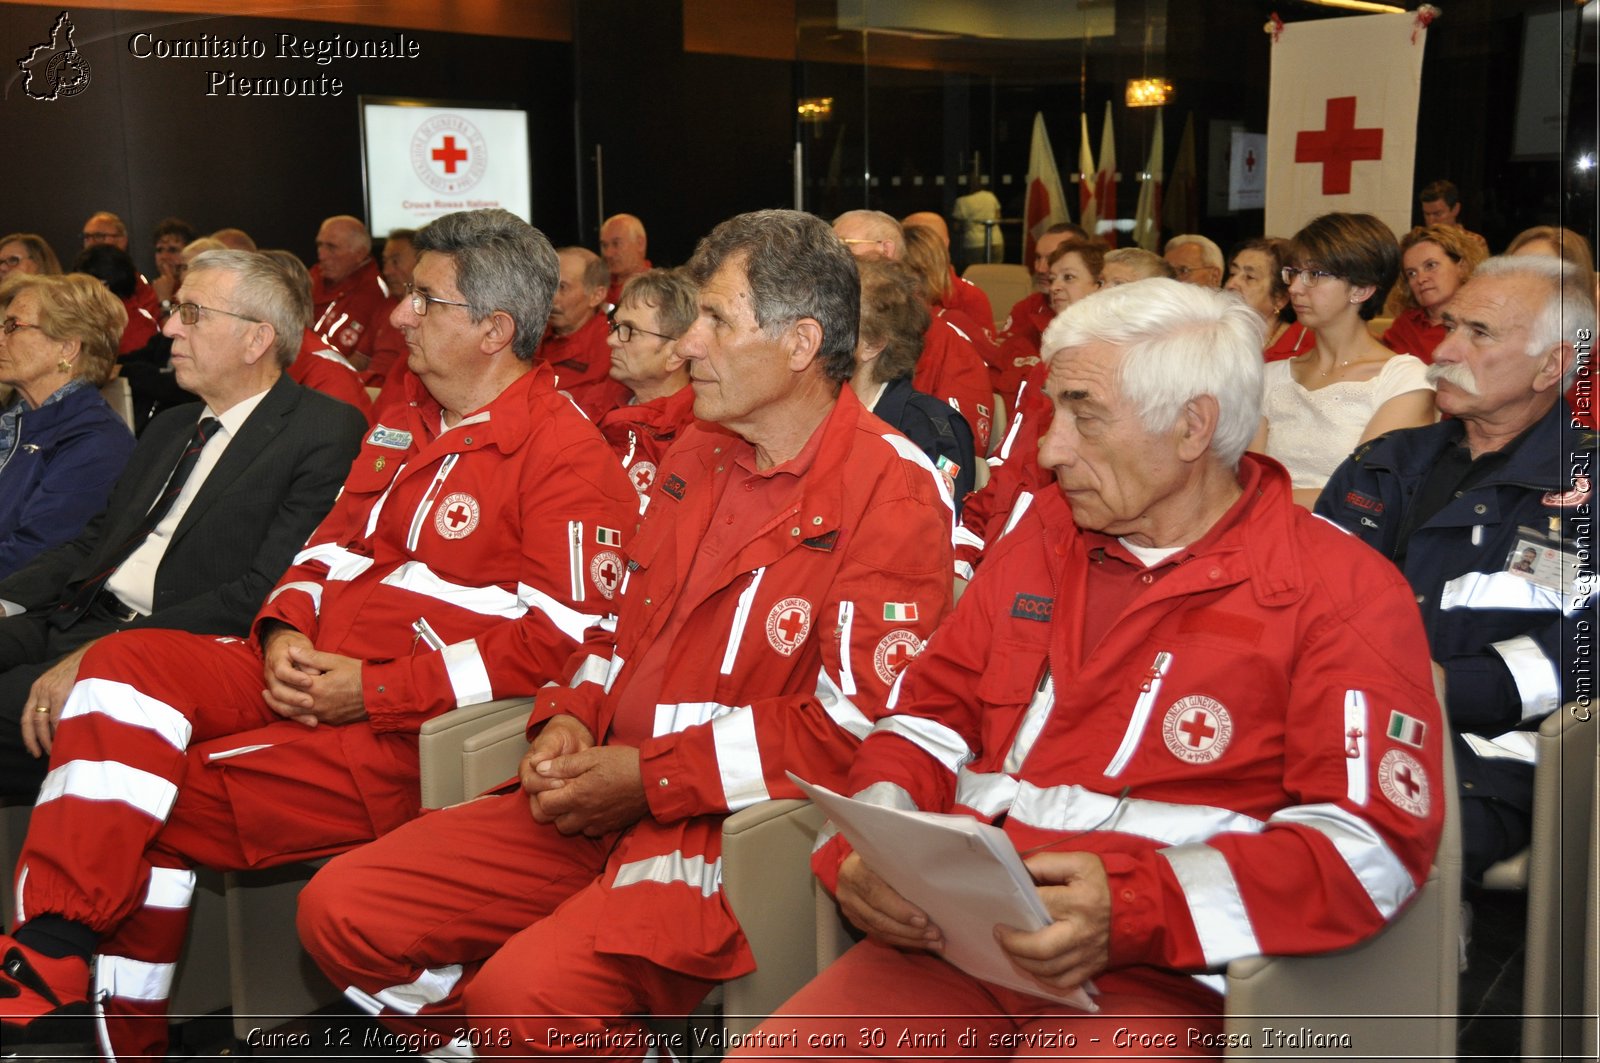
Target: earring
{"type": "Point", "coordinates": [63, 366]}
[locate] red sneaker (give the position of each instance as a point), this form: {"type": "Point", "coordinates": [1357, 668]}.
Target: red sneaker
{"type": "Point", "coordinates": [34, 986]}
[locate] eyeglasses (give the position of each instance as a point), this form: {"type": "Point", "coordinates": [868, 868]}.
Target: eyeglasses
{"type": "Point", "coordinates": [11, 324]}
{"type": "Point", "coordinates": [1184, 271]}
{"type": "Point", "coordinates": [189, 313]}
{"type": "Point", "coordinates": [12, 261]}
{"type": "Point", "coordinates": [420, 300]}
{"type": "Point", "coordinates": [625, 331]}
{"type": "Point", "coordinates": [1309, 277]}
{"type": "Point", "coordinates": [100, 238]}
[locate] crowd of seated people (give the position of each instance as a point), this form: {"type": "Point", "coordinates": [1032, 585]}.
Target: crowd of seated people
{"type": "Point", "coordinates": [709, 519]}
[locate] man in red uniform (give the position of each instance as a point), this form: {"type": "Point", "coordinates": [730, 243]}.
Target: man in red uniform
{"type": "Point", "coordinates": [1018, 335]}
{"type": "Point", "coordinates": [655, 310]}
{"type": "Point", "coordinates": [1208, 716]}
{"type": "Point", "coordinates": [575, 343]}
{"type": "Point", "coordinates": [351, 303]}
{"type": "Point", "coordinates": [793, 558]}
{"type": "Point", "coordinates": [105, 229]}
{"type": "Point", "coordinates": [464, 561]}
{"type": "Point", "coordinates": [622, 245]}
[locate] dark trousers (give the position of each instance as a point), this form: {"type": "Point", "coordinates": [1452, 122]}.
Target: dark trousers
{"type": "Point", "coordinates": [29, 645]}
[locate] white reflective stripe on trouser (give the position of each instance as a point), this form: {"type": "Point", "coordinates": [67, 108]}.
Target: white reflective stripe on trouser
{"type": "Point", "coordinates": [930, 736]}
{"type": "Point", "coordinates": [739, 759]}
{"type": "Point", "coordinates": [343, 565]}
{"type": "Point", "coordinates": [468, 675]}
{"type": "Point", "coordinates": [418, 578]}
{"type": "Point", "coordinates": [170, 887]}
{"type": "Point", "coordinates": [692, 871]}
{"type": "Point", "coordinates": [1538, 682]}
{"type": "Point", "coordinates": [1505, 590]}
{"type": "Point", "coordinates": [567, 620]}
{"type": "Point", "coordinates": [311, 590]}
{"type": "Point", "coordinates": [129, 705]}
{"type": "Point", "coordinates": [1215, 906]}
{"type": "Point", "coordinates": [431, 986]}
{"type": "Point", "coordinates": [1387, 882]}
{"type": "Point", "coordinates": [130, 979]}
{"type": "Point", "coordinates": [107, 780]}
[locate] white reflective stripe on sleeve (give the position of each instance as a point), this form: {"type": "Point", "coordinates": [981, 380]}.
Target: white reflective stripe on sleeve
{"type": "Point", "coordinates": [616, 666]}
{"type": "Point", "coordinates": [431, 986]}
{"type": "Point", "coordinates": [670, 719]}
{"type": "Point", "coordinates": [986, 793]}
{"type": "Point", "coordinates": [739, 759]}
{"type": "Point", "coordinates": [575, 557]}
{"type": "Point", "coordinates": [1374, 865]}
{"type": "Point", "coordinates": [313, 590]}
{"type": "Point", "coordinates": [468, 674]}
{"type": "Point", "coordinates": [910, 452]}
{"type": "Point", "coordinates": [420, 517]}
{"type": "Point", "coordinates": [894, 688]}
{"type": "Point", "coordinates": [692, 871]}
{"type": "Point", "coordinates": [840, 709]}
{"type": "Point", "coordinates": [1217, 983]}
{"type": "Point", "coordinates": [1503, 590]}
{"type": "Point", "coordinates": [107, 780]}
{"type": "Point", "coordinates": [964, 570]}
{"type": "Point", "coordinates": [343, 565]}
{"type": "Point", "coordinates": [567, 620]}
{"type": "Point", "coordinates": [1538, 682]}
{"type": "Point", "coordinates": [933, 738]}
{"type": "Point", "coordinates": [1011, 435]}
{"type": "Point", "coordinates": [847, 620]}
{"type": "Point", "coordinates": [1072, 809]}
{"type": "Point", "coordinates": [1355, 748]}
{"type": "Point", "coordinates": [22, 883]}
{"type": "Point", "coordinates": [886, 795]}
{"type": "Point", "coordinates": [1516, 745]}
{"type": "Point", "coordinates": [967, 537]}
{"type": "Point", "coordinates": [418, 578]}
{"type": "Point", "coordinates": [741, 617]}
{"type": "Point", "coordinates": [1018, 509]}
{"type": "Point", "coordinates": [128, 979]}
{"type": "Point", "coordinates": [1039, 706]}
{"type": "Point", "coordinates": [593, 670]}
{"type": "Point", "coordinates": [363, 1000]}
{"type": "Point", "coordinates": [1215, 906]}
{"type": "Point", "coordinates": [169, 887]}
{"type": "Point", "coordinates": [131, 706]}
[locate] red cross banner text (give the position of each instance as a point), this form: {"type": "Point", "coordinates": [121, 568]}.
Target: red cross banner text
{"type": "Point", "coordinates": [422, 162]}
{"type": "Point", "coordinates": [1342, 119]}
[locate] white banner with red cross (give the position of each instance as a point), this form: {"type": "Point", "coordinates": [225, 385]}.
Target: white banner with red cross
{"type": "Point", "coordinates": [1342, 119]}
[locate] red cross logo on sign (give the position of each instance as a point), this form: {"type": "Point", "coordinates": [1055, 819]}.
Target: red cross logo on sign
{"type": "Point", "coordinates": [605, 569]}
{"type": "Point", "coordinates": [457, 516]}
{"type": "Point", "coordinates": [1338, 145]}
{"type": "Point", "coordinates": [788, 624]}
{"type": "Point", "coordinates": [1404, 781]}
{"type": "Point", "coordinates": [449, 155]}
{"type": "Point", "coordinates": [1197, 729]}
{"type": "Point", "coordinates": [894, 652]}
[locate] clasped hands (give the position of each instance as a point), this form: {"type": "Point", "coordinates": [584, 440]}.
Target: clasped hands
{"type": "Point", "coordinates": [580, 787]}
{"type": "Point", "coordinates": [306, 685]}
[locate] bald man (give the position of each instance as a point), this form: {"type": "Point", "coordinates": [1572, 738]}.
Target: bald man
{"type": "Point", "coordinates": [963, 295]}
{"type": "Point", "coordinates": [352, 303]}
{"type": "Point", "coordinates": [105, 229]}
{"type": "Point", "coordinates": [575, 341]}
{"type": "Point", "coordinates": [622, 245]}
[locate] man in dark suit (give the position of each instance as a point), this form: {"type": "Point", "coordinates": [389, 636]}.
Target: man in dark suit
{"type": "Point", "coordinates": [197, 551]}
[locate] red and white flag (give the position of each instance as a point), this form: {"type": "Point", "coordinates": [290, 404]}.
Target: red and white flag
{"type": "Point", "coordinates": [1342, 134]}
{"type": "Point", "coordinates": [1047, 203]}
{"type": "Point", "coordinates": [1105, 186]}
{"type": "Point", "coordinates": [1147, 216]}
{"type": "Point", "coordinates": [1088, 213]}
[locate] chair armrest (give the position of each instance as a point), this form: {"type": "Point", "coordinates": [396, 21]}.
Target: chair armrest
{"type": "Point", "coordinates": [441, 740]}
{"type": "Point", "coordinates": [490, 757]}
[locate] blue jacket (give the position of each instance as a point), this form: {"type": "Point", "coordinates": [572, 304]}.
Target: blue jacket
{"type": "Point", "coordinates": [67, 456]}
{"type": "Point", "coordinates": [1512, 650]}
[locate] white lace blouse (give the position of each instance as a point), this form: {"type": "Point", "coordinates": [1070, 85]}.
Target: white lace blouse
{"type": "Point", "coordinates": [1311, 432]}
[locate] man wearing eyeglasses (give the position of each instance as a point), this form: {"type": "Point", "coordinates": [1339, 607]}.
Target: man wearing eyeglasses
{"type": "Point", "coordinates": [1195, 259]}
{"type": "Point", "coordinates": [575, 342]}
{"type": "Point", "coordinates": [106, 229]}
{"type": "Point", "coordinates": [471, 550]}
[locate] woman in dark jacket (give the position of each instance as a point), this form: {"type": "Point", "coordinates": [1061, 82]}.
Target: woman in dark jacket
{"type": "Point", "coordinates": [61, 446]}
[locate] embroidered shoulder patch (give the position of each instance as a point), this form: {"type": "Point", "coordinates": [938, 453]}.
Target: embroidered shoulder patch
{"type": "Point", "coordinates": [1033, 607]}
{"type": "Point", "coordinates": [674, 485]}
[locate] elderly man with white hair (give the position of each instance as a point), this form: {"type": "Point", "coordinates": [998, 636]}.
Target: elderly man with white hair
{"type": "Point", "coordinates": [1174, 690]}
{"type": "Point", "coordinates": [1459, 506]}
{"type": "Point", "coordinates": [1195, 260]}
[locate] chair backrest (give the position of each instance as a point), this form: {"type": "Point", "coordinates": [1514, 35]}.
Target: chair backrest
{"type": "Point", "coordinates": [119, 396]}
{"type": "Point", "coordinates": [1003, 282]}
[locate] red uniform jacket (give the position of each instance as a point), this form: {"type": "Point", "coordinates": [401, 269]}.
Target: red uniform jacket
{"type": "Point", "coordinates": [317, 366]}
{"type": "Point", "coordinates": [460, 567]}
{"type": "Point", "coordinates": [582, 364]}
{"type": "Point", "coordinates": [640, 435]}
{"type": "Point", "coordinates": [144, 317]}
{"type": "Point", "coordinates": [782, 668]}
{"type": "Point", "coordinates": [952, 371]}
{"type": "Point", "coordinates": [1013, 470]}
{"type": "Point", "coordinates": [970, 300]}
{"type": "Point", "coordinates": [1296, 339]}
{"type": "Point", "coordinates": [1253, 748]}
{"type": "Point", "coordinates": [1412, 333]}
{"type": "Point", "coordinates": [1018, 339]}
{"type": "Point", "coordinates": [349, 315]}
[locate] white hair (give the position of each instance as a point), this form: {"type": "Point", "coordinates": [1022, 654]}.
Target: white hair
{"type": "Point", "coordinates": [1210, 253]}
{"type": "Point", "coordinates": [1567, 314]}
{"type": "Point", "coordinates": [1178, 341]}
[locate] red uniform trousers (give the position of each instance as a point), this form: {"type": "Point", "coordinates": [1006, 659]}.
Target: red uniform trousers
{"type": "Point", "coordinates": [884, 1003]}
{"type": "Point", "coordinates": [142, 787]}
{"type": "Point", "coordinates": [484, 888]}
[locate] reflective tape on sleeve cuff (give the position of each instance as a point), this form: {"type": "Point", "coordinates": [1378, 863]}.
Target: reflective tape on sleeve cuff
{"type": "Point", "coordinates": [312, 590]}
{"type": "Point", "coordinates": [739, 759]}
{"type": "Point", "coordinates": [1215, 906]}
{"type": "Point", "coordinates": [934, 739]}
{"type": "Point", "coordinates": [1384, 878]}
{"type": "Point", "coordinates": [469, 675]}
{"type": "Point", "coordinates": [1505, 590]}
{"type": "Point", "coordinates": [1538, 683]}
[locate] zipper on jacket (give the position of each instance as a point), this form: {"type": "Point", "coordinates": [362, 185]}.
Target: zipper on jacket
{"type": "Point", "coordinates": [1149, 690]}
{"type": "Point", "coordinates": [847, 676]}
{"type": "Point", "coordinates": [575, 555]}
{"type": "Point", "coordinates": [425, 633]}
{"type": "Point", "coordinates": [428, 499]}
{"type": "Point", "coordinates": [741, 617]}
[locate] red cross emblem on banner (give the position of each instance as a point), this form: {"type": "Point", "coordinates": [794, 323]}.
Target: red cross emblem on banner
{"type": "Point", "coordinates": [449, 155]}
{"type": "Point", "coordinates": [1338, 145]}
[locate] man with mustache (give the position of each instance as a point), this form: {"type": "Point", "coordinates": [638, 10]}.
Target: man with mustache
{"type": "Point", "coordinates": [1458, 506]}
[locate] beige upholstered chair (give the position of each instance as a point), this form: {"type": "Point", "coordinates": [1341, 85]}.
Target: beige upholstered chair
{"type": "Point", "coordinates": [1004, 284]}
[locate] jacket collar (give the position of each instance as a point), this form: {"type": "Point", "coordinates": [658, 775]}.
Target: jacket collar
{"type": "Point", "coordinates": [1542, 458]}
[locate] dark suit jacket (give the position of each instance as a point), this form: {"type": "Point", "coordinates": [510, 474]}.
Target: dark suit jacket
{"type": "Point", "coordinates": [272, 486]}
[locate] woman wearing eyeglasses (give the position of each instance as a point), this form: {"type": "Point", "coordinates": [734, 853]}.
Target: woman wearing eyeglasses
{"type": "Point", "coordinates": [1435, 260]}
{"type": "Point", "coordinates": [27, 253]}
{"type": "Point", "coordinates": [61, 446]}
{"type": "Point", "coordinates": [1348, 388]}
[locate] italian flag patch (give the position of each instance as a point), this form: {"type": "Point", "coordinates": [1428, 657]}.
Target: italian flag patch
{"type": "Point", "coordinates": [607, 536]}
{"type": "Point", "coordinates": [900, 612]}
{"type": "Point", "coordinates": [1407, 729]}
